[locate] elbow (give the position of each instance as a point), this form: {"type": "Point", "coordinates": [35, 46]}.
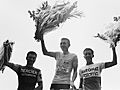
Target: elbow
{"type": "Point", "coordinates": [115, 63]}
{"type": "Point", "coordinates": [45, 53]}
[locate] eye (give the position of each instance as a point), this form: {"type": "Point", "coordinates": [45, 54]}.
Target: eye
{"type": "Point", "coordinates": [87, 53]}
{"type": "Point", "coordinates": [31, 57]}
{"type": "Point", "coordinates": [62, 43]}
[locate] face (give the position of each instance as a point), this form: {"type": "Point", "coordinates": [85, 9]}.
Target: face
{"type": "Point", "coordinates": [88, 55]}
{"type": "Point", "coordinates": [31, 59]}
{"type": "Point", "coordinates": [64, 45]}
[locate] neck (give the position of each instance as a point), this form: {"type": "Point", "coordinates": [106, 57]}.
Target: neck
{"type": "Point", "coordinates": [88, 63]}
{"type": "Point", "coordinates": [29, 65]}
{"type": "Point", "coordinates": [65, 52]}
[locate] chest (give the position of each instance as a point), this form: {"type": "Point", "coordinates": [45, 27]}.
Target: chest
{"type": "Point", "coordinates": [91, 71]}
{"type": "Point", "coordinates": [65, 61]}
{"type": "Point", "coordinates": [28, 72]}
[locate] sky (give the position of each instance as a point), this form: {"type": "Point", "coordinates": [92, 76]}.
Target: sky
{"type": "Point", "coordinates": [17, 26]}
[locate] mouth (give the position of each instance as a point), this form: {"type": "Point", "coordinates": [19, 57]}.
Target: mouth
{"type": "Point", "coordinates": [87, 57]}
{"type": "Point", "coordinates": [63, 46]}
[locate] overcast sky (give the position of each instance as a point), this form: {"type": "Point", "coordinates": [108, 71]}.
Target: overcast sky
{"type": "Point", "coordinates": [17, 26]}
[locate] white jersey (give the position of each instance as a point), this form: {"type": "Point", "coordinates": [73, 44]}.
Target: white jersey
{"type": "Point", "coordinates": [91, 75]}
{"type": "Point", "coordinates": [63, 68]}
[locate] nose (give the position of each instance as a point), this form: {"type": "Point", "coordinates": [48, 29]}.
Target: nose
{"type": "Point", "coordinates": [86, 55]}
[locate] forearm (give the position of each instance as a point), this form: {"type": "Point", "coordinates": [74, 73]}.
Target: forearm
{"type": "Point", "coordinates": [75, 66]}
{"type": "Point", "coordinates": [74, 76]}
{"type": "Point", "coordinates": [114, 56]}
{"type": "Point", "coordinates": [114, 61]}
{"type": "Point", "coordinates": [10, 65]}
{"type": "Point", "coordinates": [44, 50]}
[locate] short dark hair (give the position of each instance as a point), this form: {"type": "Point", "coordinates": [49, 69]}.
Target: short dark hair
{"type": "Point", "coordinates": [88, 49]}
{"type": "Point", "coordinates": [32, 52]}
{"type": "Point", "coordinates": [66, 39]}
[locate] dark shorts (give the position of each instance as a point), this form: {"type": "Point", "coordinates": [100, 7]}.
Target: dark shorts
{"type": "Point", "coordinates": [60, 86]}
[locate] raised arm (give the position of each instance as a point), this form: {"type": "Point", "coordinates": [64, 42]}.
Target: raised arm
{"type": "Point", "coordinates": [44, 50]}
{"type": "Point", "coordinates": [6, 59]}
{"type": "Point", "coordinates": [114, 61]}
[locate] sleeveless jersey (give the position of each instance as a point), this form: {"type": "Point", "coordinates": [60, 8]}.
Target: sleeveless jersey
{"type": "Point", "coordinates": [63, 68]}
{"type": "Point", "coordinates": [28, 77]}
{"type": "Point", "coordinates": [91, 75]}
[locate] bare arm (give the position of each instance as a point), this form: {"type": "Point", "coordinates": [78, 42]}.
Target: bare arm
{"type": "Point", "coordinates": [6, 59]}
{"type": "Point", "coordinates": [75, 66]}
{"type": "Point", "coordinates": [44, 50]}
{"type": "Point", "coordinates": [114, 61]}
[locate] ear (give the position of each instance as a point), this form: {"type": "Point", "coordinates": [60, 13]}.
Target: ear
{"type": "Point", "coordinates": [69, 45]}
{"type": "Point", "coordinates": [92, 55]}
{"type": "Point", "coordinates": [26, 58]}
{"type": "Point", "coordinates": [84, 56]}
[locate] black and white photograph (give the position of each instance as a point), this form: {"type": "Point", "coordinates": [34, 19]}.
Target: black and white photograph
{"type": "Point", "coordinates": [59, 44]}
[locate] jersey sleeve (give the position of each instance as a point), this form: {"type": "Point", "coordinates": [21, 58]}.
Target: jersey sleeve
{"type": "Point", "coordinates": [39, 77]}
{"type": "Point", "coordinates": [102, 65]}
{"type": "Point", "coordinates": [80, 74]}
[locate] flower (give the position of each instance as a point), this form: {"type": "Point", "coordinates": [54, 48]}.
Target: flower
{"type": "Point", "coordinates": [48, 18]}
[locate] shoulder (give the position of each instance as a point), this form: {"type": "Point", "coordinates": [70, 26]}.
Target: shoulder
{"type": "Point", "coordinates": [17, 65]}
{"type": "Point", "coordinates": [38, 70]}
{"type": "Point", "coordinates": [73, 56]}
{"type": "Point", "coordinates": [81, 70]}
{"type": "Point", "coordinates": [83, 67]}
{"type": "Point", "coordinates": [58, 54]}
{"type": "Point", "coordinates": [100, 64]}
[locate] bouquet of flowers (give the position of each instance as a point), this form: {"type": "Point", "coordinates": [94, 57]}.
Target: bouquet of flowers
{"type": "Point", "coordinates": [47, 18]}
{"type": "Point", "coordinates": [112, 35]}
{"type": "Point", "coordinates": [5, 53]}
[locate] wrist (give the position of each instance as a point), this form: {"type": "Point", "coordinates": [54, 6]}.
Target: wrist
{"type": "Point", "coordinates": [72, 83]}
